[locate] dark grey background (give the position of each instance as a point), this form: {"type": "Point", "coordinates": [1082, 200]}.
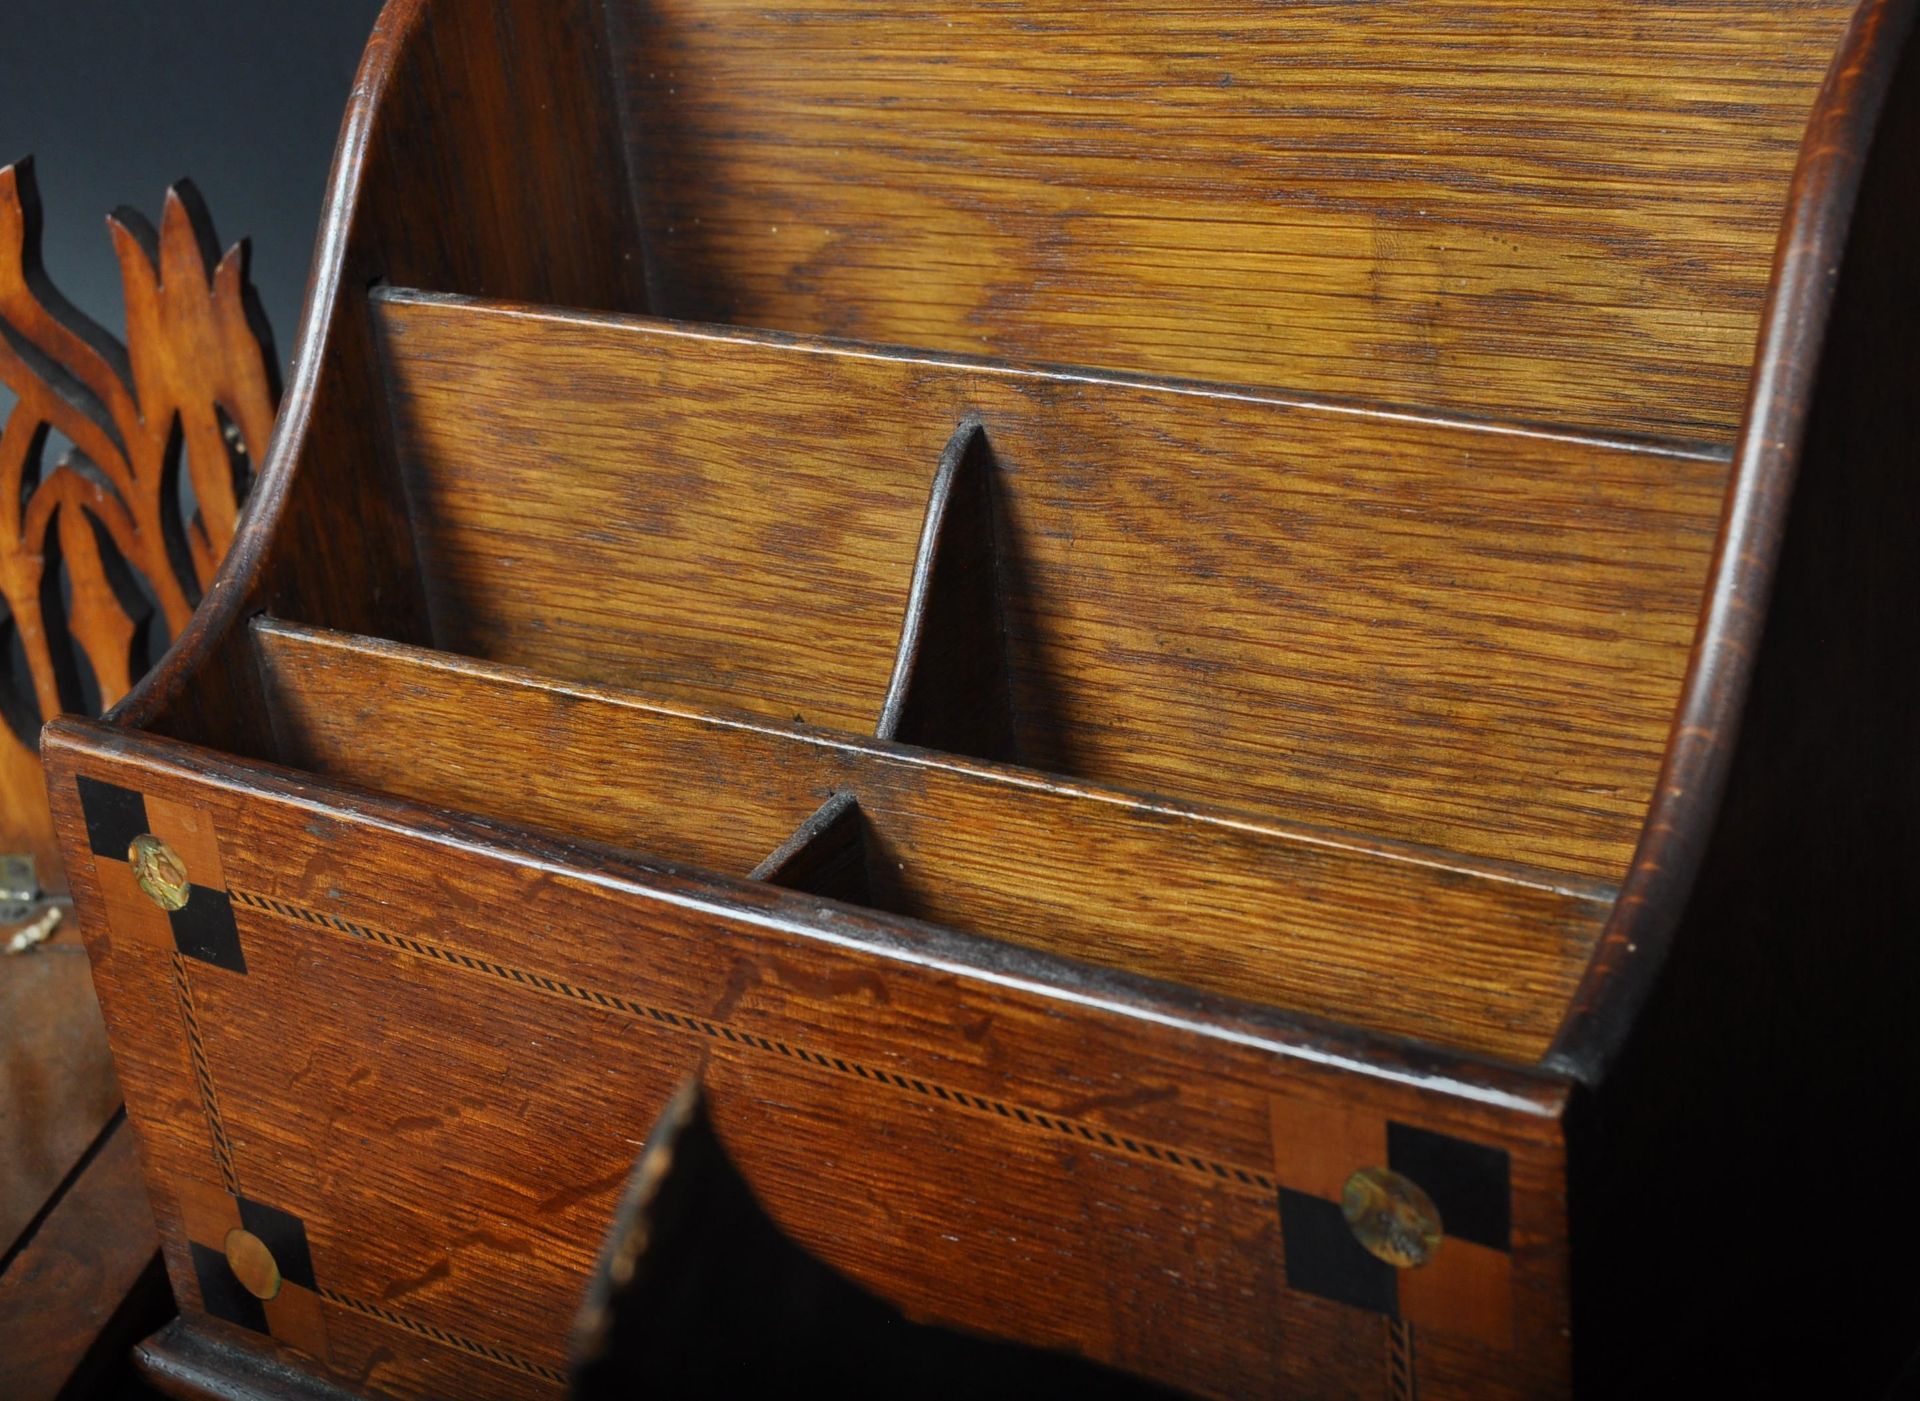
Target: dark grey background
{"type": "Point", "coordinates": [116, 99]}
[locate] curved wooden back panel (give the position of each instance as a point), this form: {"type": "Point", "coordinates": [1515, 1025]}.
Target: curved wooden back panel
{"type": "Point", "coordinates": [452, 169]}
{"type": "Point", "coordinates": [1555, 213]}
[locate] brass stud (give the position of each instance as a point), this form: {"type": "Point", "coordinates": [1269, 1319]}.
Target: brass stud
{"type": "Point", "coordinates": [159, 871]}
{"type": "Point", "coordinates": [252, 1263]}
{"type": "Point", "coordinates": [1391, 1216]}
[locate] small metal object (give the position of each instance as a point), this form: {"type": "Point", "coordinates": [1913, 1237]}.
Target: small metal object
{"type": "Point", "coordinates": [159, 872]}
{"type": "Point", "coordinates": [1391, 1216]}
{"type": "Point", "coordinates": [35, 932]}
{"type": "Point", "coordinates": [19, 888]}
{"type": "Point", "coordinates": [252, 1263]}
{"type": "Point", "coordinates": [28, 915]}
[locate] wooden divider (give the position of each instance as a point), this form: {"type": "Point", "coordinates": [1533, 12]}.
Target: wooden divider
{"type": "Point", "coordinates": [1464, 954]}
{"type": "Point", "coordinates": [1434, 631]}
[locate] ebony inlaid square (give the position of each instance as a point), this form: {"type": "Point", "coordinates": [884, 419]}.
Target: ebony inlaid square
{"type": "Point", "coordinates": [1323, 1258]}
{"type": "Point", "coordinates": [114, 815]}
{"type": "Point", "coordinates": [204, 928]}
{"type": "Point", "coordinates": [1465, 1287]}
{"type": "Point", "coordinates": [253, 1265]}
{"type": "Point", "coordinates": [221, 1294]}
{"type": "Point", "coordinates": [285, 1235]}
{"type": "Point", "coordinates": [1469, 1182]}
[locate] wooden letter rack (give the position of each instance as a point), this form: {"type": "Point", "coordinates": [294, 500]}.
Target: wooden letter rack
{"type": "Point", "coordinates": [1362, 847]}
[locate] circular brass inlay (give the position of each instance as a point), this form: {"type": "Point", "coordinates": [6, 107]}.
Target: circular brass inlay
{"type": "Point", "coordinates": [161, 873]}
{"type": "Point", "coordinates": [1391, 1217]}
{"type": "Point", "coordinates": [253, 1264]}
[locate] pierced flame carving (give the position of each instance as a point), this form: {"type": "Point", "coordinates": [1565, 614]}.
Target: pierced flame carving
{"type": "Point", "coordinates": [105, 552]}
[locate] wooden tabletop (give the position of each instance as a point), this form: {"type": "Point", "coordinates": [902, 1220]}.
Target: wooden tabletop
{"type": "Point", "coordinates": [80, 1278]}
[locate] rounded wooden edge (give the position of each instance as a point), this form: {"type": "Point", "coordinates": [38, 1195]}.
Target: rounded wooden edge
{"type": "Point", "coordinates": [230, 598]}
{"type": "Point", "coordinates": [200, 1360]}
{"type": "Point", "coordinates": [1519, 1088]}
{"type": "Point", "coordinates": [1834, 154]}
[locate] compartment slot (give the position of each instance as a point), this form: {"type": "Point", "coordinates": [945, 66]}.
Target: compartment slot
{"type": "Point", "coordinates": [1466, 636]}
{"type": "Point", "coordinates": [1462, 953]}
{"type": "Point", "coordinates": [951, 686]}
{"type": "Point", "coordinates": [826, 855]}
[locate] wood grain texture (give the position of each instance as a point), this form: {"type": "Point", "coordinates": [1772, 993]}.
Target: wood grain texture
{"type": "Point", "coordinates": [1753, 1000]}
{"type": "Point", "coordinates": [57, 1091]}
{"type": "Point", "coordinates": [102, 553]}
{"type": "Point", "coordinates": [1791, 380]}
{"type": "Point", "coordinates": [1409, 628]}
{"type": "Point", "coordinates": [1467, 634]}
{"type": "Point", "coordinates": [1562, 213]}
{"type": "Point", "coordinates": [81, 1291]}
{"type": "Point", "coordinates": [986, 1139]}
{"type": "Point", "coordinates": [1398, 940]}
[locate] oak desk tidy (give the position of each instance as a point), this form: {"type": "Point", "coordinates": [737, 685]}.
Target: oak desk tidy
{"type": "Point", "coordinates": [1358, 841]}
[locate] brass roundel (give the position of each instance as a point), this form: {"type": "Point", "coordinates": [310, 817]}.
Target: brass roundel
{"type": "Point", "coordinates": [1391, 1216]}
{"type": "Point", "coordinates": [159, 871]}
{"type": "Point", "coordinates": [252, 1263]}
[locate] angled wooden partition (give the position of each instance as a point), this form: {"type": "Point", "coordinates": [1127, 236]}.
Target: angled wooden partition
{"type": "Point", "coordinates": [1478, 957]}
{"type": "Point", "coordinates": [1418, 628]}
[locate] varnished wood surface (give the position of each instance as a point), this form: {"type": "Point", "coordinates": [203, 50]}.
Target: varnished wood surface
{"type": "Point", "coordinates": [1717, 1058]}
{"type": "Point", "coordinates": [1789, 377]}
{"type": "Point", "coordinates": [86, 1286]}
{"type": "Point", "coordinates": [1397, 940]}
{"type": "Point", "coordinates": [1549, 212]}
{"type": "Point", "coordinates": [1409, 628]}
{"type": "Point", "coordinates": [1754, 998]}
{"type": "Point", "coordinates": [96, 543]}
{"type": "Point", "coordinates": [57, 1091]}
{"type": "Point", "coordinates": [698, 1293]}
{"type": "Point", "coordinates": [444, 1074]}
{"type": "Point", "coordinates": [79, 1272]}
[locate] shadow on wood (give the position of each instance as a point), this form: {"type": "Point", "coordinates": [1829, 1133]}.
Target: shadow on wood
{"type": "Point", "coordinates": [698, 1293]}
